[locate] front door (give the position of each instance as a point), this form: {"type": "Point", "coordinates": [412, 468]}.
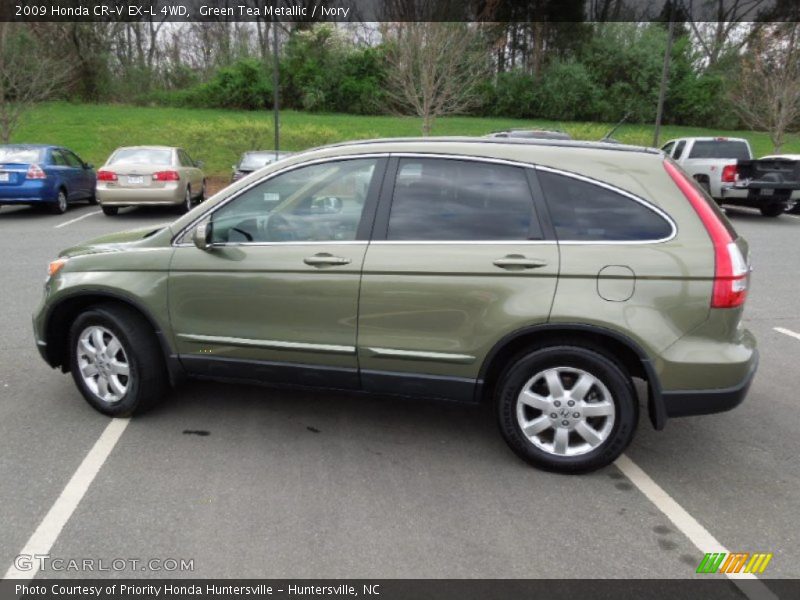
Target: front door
{"type": "Point", "coordinates": [276, 295]}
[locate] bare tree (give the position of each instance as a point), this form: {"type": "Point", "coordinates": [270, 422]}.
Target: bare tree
{"type": "Point", "coordinates": [27, 76]}
{"type": "Point", "coordinates": [767, 95]}
{"type": "Point", "coordinates": [434, 68]}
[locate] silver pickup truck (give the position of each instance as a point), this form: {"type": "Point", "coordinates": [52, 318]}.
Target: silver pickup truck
{"type": "Point", "coordinates": [726, 170]}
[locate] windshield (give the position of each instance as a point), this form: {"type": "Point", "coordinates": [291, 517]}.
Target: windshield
{"type": "Point", "coordinates": [148, 156]}
{"type": "Point", "coordinates": [20, 155]}
{"type": "Point", "coordinates": [251, 162]}
{"type": "Point", "coordinates": [720, 149]}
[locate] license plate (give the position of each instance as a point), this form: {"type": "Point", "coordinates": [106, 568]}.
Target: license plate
{"type": "Point", "coordinates": [6, 177]}
{"type": "Point", "coordinates": [136, 180]}
{"type": "Point", "coordinates": [767, 191]}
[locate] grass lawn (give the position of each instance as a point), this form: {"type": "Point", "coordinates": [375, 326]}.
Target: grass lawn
{"type": "Point", "coordinates": [217, 137]}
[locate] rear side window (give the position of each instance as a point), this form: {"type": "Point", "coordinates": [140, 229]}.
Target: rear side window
{"type": "Point", "coordinates": [58, 158]}
{"type": "Point", "coordinates": [584, 211]}
{"type": "Point", "coordinates": [444, 199]}
{"type": "Point", "coordinates": [720, 149]}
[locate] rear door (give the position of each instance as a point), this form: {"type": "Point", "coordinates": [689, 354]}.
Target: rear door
{"type": "Point", "coordinates": [81, 176]}
{"type": "Point", "coordinates": [458, 260]}
{"type": "Point", "coordinates": [67, 175]}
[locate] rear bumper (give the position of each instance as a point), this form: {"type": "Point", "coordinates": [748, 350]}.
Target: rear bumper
{"type": "Point", "coordinates": [31, 192]}
{"type": "Point", "coordinates": [685, 403]}
{"type": "Point", "coordinates": [169, 195]}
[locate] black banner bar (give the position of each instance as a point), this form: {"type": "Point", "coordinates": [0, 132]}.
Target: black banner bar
{"type": "Point", "coordinates": [713, 588]}
{"type": "Point", "coordinates": [398, 10]}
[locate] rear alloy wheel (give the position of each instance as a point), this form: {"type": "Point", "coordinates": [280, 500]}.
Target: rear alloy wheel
{"type": "Point", "coordinates": [187, 201]}
{"type": "Point", "coordinates": [772, 210]}
{"type": "Point", "coordinates": [116, 361]}
{"type": "Point", "coordinates": [59, 207]}
{"type": "Point", "coordinates": [567, 408]}
{"type": "Point", "coordinates": [110, 211]}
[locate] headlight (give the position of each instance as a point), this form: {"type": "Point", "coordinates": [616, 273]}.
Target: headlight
{"type": "Point", "coordinates": [56, 266]}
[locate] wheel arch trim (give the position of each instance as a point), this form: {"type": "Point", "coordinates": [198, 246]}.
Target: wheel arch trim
{"type": "Point", "coordinates": [656, 408]}
{"type": "Point", "coordinates": [174, 367]}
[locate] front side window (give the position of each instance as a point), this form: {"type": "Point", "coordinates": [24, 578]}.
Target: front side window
{"type": "Point", "coordinates": [446, 199]}
{"type": "Point", "coordinates": [322, 202]}
{"type": "Point", "coordinates": [584, 211]}
{"type": "Point", "coordinates": [679, 149]}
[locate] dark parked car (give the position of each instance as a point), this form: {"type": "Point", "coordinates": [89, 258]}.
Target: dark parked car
{"type": "Point", "coordinates": [252, 161]}
{"type": "Point", "coordinates": [44, 175]}
{"type": "Point", "coordinates": [531, 134]}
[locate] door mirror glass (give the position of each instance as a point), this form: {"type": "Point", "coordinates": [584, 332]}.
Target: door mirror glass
{"type": "Point", "coordinates": [202, 236]}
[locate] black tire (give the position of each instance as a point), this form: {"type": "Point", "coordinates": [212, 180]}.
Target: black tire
{"type": "Point", "coordinates": [202, 196]}
{"type": "Point", "coordinates": [772, 210]}
{"type": "Point", "coordinates": [602, 367]}
{"type": "Point", "coordinates": [110, 211]}
{"type": "Point", "coordinates": [59, 207]}
{"type": "Point", "coordinates": [186, 205]}
{"type": "Point", "coordinates": [148, 378]}
{"type": "Point", "coordinates": [92, 199]}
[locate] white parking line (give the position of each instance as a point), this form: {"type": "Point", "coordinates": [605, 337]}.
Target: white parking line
{"type": "Point", "coordinates": [49, 529]}
{"type": "Point", "coordinates": [788, 332]}
{"type": "Point", "coordinates": [748, 583]}
{"type": "Point", "coordinates": [76, 219]}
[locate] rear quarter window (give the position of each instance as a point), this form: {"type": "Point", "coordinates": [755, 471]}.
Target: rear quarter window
{"type": "Point", "coordinates": [587, 212]}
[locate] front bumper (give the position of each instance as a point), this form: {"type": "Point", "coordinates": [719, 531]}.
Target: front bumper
{"type": "Point", "coordinates": [685, 403]}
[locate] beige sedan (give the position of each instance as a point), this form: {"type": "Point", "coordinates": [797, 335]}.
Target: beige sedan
{"type": "Point", "coordinates": [150, 176]}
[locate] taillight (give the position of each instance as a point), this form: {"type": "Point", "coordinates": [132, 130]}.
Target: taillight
{"type": "Point", "coordinates": [166, 176]}
{"type": "Point", "coordinates": [730, 267]}
{"type": "Point", "coordinates": [35, 172]}
{"type": "Point", "coordinates": [106, 176]}
{"type": "Point", "coordinates": [730, 173]}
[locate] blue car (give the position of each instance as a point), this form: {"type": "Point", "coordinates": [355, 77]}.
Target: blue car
{"type": "Point", "coordinates": [49, 176]}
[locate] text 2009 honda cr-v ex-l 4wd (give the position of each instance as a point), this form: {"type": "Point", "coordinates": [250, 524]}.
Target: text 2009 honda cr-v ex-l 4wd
{"type": "Point", "coordinates": [542, 277]}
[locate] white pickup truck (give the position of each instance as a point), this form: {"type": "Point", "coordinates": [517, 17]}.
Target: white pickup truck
{"type": "Point", "coordinates": [726, 170]}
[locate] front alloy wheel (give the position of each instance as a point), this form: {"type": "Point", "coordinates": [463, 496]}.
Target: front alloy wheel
{"type": "Point", "coordinates": [103, 364]}
{"type": "Point", "coordinates": [116, 360]}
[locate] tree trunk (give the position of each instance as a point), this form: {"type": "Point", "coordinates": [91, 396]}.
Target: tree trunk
{"type": "Point", "coordinates": [427, 124]}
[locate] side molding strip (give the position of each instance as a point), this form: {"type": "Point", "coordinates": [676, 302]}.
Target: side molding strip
{"type": "Point", "coordinates": [415, 355]}
{"type": "Point", "coordinates": [270, 344]}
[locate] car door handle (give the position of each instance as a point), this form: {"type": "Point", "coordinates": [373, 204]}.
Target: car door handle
{"type": "Point", "coordinates": [517, 261]}
{"type": "Point", "coordinates": [325, 259]}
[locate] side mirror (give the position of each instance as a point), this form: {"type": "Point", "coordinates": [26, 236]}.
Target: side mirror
{"type": "Point", "coordinates": [202, 236]}
{"type": "Point", "coordinates": [88, 166]}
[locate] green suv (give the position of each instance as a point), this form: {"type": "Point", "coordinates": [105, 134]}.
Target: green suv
{"type": "Point", "coordinates": [543, 277]}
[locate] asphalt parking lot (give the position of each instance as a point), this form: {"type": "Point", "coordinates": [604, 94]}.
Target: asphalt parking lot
{"type": "Point", "coordinates": [253, 482]}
